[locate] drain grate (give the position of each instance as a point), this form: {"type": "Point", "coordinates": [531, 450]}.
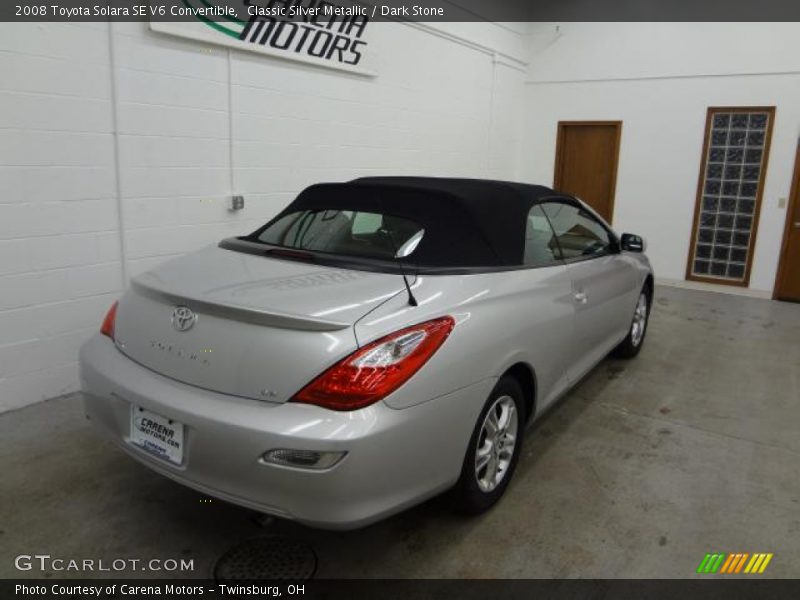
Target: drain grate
{"type": "Point", "coordinates": [269, 557]}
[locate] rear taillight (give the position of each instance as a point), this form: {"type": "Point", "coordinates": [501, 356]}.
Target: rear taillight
{"type": "Point", "coordinates": [376, 370]}
{"type": "Point", "coordinates": [108, 323]}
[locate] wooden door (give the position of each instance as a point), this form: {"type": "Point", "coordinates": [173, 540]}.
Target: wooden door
{"type": "Point", "coordinates": [587, 153]}
{"type": "Point", "coordinates": [787, 284]}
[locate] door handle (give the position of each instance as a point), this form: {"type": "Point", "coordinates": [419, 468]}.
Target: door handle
{"type": "Point", "coordinates": [797, 224]}
{"type": "Point", "coordinates": [581, 297]}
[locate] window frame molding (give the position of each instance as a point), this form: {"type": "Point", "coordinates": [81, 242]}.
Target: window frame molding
{"type": "Point", "coordinates": [614, 244]}
{"type": "Point", "coordinates": [557, 260]}
{"type": "Point", "coordinates": [701, 179]}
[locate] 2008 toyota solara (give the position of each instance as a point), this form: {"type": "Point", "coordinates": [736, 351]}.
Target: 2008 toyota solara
{"type": "Point", "coordinates": [377, 343]}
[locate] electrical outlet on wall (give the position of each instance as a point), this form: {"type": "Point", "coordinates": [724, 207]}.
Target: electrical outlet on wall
{"type": "Point", "coordinates": [237, 203]}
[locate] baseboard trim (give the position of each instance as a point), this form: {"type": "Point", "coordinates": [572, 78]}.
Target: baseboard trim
{"type": "Point", "coordinates": [711, 287]}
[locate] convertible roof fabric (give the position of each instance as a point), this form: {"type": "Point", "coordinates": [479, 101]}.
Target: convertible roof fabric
{"type": "Point", "coordinates": [468, 222]}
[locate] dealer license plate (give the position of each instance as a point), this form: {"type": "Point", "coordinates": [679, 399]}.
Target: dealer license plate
{"type": "Point", "coordinates": [157, 435]}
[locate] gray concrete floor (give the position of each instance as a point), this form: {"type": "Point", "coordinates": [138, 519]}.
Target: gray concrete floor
{"type": "Point", "coordinates": [644, 467]}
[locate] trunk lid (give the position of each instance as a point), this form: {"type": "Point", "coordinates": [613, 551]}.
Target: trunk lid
{"type": "Point", "coordinates": [255, 327]}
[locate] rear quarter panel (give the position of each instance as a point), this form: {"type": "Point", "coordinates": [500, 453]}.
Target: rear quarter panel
{"type": "Point", "coordinates": [501, 319]}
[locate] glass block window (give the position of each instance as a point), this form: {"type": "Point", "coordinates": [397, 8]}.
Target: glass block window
{"type": "Point", "coordinates": [733, 169]}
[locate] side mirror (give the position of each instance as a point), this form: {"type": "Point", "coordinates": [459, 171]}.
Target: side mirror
{"type": "Point", "coordinates": [632, 243]}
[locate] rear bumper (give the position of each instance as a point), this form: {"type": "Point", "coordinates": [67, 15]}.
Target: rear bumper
{"type": "Point", "coordinates": [395, 458]}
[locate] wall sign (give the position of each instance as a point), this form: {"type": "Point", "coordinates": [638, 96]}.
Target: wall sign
{"type": "Point", "coordinates": [321, 32]}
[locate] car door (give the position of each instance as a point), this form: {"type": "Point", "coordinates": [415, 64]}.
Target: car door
{"type": "Point", "coordinates": [547, 327]}
{"type": "Point", "coordinates": [602, 282]}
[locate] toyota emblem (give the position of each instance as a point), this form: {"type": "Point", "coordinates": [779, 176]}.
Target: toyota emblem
{"type": "Point", "coordinates": [183, 318]}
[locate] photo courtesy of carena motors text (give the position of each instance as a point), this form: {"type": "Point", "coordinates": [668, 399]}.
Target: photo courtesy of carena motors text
{"type": "Point", "coordinates": [373, 298]}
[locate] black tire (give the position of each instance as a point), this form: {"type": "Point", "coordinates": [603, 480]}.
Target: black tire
{"type": "Point", "coordinates": [467, 496]}
{"type": "Point", "coordinates": [630, 347]}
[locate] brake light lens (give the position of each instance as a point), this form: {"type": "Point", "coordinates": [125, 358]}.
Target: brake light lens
{"type": "Point", "coordinates": [376, 370]}
{"type": "Point", "coordinates": [108, 323]}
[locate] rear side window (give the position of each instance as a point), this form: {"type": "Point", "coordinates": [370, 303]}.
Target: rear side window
{"type": "Point", "coordinates": [350, 233]}
{"type": "Point", "coordinates": [541, 247]}
{"type": "Point", "coordinates": [579, 234]}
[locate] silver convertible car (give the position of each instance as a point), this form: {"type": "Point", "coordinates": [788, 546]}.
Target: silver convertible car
{"type": "Point", "coordinates": [377, 343]}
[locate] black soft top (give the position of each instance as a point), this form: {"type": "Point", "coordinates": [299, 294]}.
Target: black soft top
{"type": "Point", "coordinates": [468, 222]}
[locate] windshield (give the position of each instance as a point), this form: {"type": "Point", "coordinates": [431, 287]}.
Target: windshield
{"type": "Point", "coordinates": [351, 233]}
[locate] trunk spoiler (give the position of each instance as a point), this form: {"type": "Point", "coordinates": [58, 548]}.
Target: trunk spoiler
{"type": "Point", "coordinates": [246, 314]}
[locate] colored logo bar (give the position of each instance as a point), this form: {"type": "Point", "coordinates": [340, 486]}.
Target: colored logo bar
{"type": "Point", "coordinates": [737, 562]}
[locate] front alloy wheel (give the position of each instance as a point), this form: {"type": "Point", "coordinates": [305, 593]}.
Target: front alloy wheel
{"type": "Point", "coordinates": [630, 346]}
{"type": "Point", "coordinates": [639, 320]}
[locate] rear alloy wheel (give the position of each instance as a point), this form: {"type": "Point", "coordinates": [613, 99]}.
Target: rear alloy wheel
{"type": "Point", "coordinates": [493, 450]}
{"type": "Point", "coordinates": [496, 443]}
{"type": "Point", "coordinates": [630, 346]}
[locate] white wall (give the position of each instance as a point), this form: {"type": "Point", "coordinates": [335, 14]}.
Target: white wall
{"type": "Point", "coordinates": [59, 242]}
{"type": "Point", "coordinates": [659, 79]}
{"type": "Point", "coordinates": [120, 147]}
